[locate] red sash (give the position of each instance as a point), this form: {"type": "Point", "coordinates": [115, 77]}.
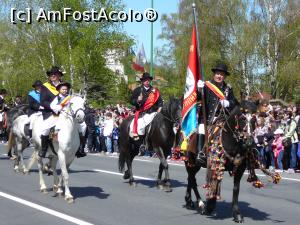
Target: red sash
{"type": "Point", "coordinates": [215, 90]}
{"type": "Point", "coordinates": [151, 100]}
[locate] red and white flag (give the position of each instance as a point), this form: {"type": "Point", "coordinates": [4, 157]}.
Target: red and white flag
{"type": "Point", "coordinates": [189, 109]}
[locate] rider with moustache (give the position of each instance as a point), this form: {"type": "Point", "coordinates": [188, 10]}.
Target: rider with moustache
{"type": "Point", "coordinates": [140, 99]}
{"type": "Point", "coordinates": [213, 90]}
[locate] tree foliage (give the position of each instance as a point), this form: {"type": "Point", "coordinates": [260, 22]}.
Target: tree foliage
{"type": "Point", "coordinates": [29, 50]}
{"type": "Point", "coordinates": [258, 39]}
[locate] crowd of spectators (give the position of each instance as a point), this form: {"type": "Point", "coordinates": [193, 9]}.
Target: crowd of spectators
{"type": "Point", "coordinates": [276, 136]}
{"type": "Point", "coordinates": [103, 128]}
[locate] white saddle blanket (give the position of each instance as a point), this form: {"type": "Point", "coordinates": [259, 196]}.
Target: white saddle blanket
{"type": "Point", "coordinates": [142, 123]}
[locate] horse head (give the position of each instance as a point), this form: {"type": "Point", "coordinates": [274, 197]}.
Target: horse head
{"type": "Point", "coordinates": [243, 122]}
{"type": "Point", "coordinates": [76, 108]}
{"type": "Point", "coordinates": [172, 110]}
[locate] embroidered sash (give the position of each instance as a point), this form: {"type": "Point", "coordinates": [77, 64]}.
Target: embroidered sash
{"type": "Point", "coordinates": [215, 90]}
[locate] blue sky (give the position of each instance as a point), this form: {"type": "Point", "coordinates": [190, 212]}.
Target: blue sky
{"type": "Point", "coordinates": [141, 31]}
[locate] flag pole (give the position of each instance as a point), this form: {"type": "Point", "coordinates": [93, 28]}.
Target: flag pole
{"type": "Point", "coordinates": [202, 74]}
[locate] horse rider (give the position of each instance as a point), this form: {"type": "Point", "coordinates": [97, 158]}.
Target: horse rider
{"type": "Point", "coordinates": [217, 92]}
{"type": "Point", "coordinates": [48, 93]}
{"type": "Point", "coordinates": [34, 102]}
{"type": "Point", "coordinates": [58, 103]}
{"type": "Point", "coordinates": [146, 99]}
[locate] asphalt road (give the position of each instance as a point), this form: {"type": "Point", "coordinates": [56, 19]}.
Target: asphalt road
{"type": "Point", "coordinates": [102, 197]}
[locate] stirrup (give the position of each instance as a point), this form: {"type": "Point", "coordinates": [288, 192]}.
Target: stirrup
{"type": "Point", "coordinates": [202, 156]}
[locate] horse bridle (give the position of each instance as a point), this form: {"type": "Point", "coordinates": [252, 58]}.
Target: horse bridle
{"type": "Point", "coordinates": [237, 133]}
{"type": "Point", "coordinates": [173, 120]}
{"type": "Point", "coordinates": [72, 113]}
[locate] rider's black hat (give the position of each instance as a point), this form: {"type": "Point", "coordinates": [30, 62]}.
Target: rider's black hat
{"type": "Point", "coordinates": [221, 67]}
{"type": "Point", "coordinates": [55, 70]}
{"type": "Point", "coordinates": [146, 76]}
{"type": "Point", "coordinates": [37, 83]}
{"type": "Point", "coordinates": [63, 84]}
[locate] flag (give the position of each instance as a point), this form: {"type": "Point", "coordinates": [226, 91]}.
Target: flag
{"type": "Point", "coordinates": [189, 109]}
{"type": "Point", "coordinates": [140, 60]}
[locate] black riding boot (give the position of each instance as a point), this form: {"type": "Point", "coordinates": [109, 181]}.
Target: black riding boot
{"type": "Point", "coordinates": [45, 144]}
{"type": "Point", "coordinates": [30, 133]}
{"type": "Point", "coordinates": [200, 147]}
{"type": "Point", "coordinates": [80, 152]}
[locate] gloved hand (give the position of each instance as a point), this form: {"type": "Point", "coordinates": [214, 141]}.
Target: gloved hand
{"type": "Point", "coordinates": [224, 103]}
{"type": "Point", "coordinates": [57, 109]}
{"type": "Point", "coordinates": [41, 107]}
{"type": "Point", "coordinates": [200, 84]}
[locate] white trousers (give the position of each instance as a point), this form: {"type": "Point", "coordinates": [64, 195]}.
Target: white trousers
{"type": "Point", "coordinates": [82, 128]}
{"type": "Point", "coordinates": [47, 124]}
{"type": "Point", "coordinates": [142, 123]}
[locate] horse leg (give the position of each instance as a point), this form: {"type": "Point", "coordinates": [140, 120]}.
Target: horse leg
{"type": "Point", "coordinates": [43, 187]}
{"type": "Point", "coordinates": [32, 160]}
{"type": "Point", "coordinates": [164, 163]}
{"type": "Point", "coordinates": [65, 175]}
{"type": "Point", "coordinates": [22, 162]}
{"type": "Point", "coordinates": [188, 195]}
{"type": "Point", "coordinates": [237, 216]}
{"type": "Point", "coordinates": [159, 182]}
{"type": "Point", "coordinates": [56, 181]}
{"type": "Point", "coordinates": [194, 186]}
{"type": "Point", "coordinates": [129, 166]}
{"type": "Point", "coordinates": [18, 149]}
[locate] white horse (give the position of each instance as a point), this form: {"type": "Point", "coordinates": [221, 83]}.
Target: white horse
{"type": "Point", "coordinates": [19, 141]}
{"type": "Point", "coordinates": [65, 146]}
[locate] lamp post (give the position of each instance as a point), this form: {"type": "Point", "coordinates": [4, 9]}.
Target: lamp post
{"type": "Point", "coordinates": [151, 48]}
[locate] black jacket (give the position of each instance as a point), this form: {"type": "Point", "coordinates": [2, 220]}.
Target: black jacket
{"type": "Point", "coordinates": [46, 98]}
{"type": "Point", "coordinates": [34, 105]}
{"type": "Point", "coordinates": [211, 100]}
{"type": "Point", "coordinates": [138, 105]}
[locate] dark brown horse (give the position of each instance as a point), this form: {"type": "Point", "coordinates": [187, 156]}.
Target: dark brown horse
{"type": "Point", "coordinates": [231, 148]}
{"type": "Point", "coordinates": [160, 138]}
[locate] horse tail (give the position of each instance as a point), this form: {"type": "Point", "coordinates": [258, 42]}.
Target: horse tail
{"type": "Point", "coordinates": [10, 141]}
{"type": "Point", "coordinates": [122, 160]}
{"type": "Point", "coordinates": [123, 143]}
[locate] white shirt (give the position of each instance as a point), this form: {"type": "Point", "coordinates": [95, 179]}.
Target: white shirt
{"type": "Point", "coordinates": [108, 127]}
{"type": "Point", "coordinates": [55, 106]}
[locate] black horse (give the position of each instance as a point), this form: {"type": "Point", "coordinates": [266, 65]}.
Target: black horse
{"type": "Point", "coordinates": [161, 137]}
{"type": "Point", "coordinates": [231, 148]}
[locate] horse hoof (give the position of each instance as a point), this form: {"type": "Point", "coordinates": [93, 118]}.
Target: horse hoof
{"type": "Point", "coordinates": [70, 200]}
{"type": "Point", "coordinates": [132, 184]}
{"type": "Point", "coordinates": [168, 189]}
{"type": "Point", "coordinates": [126, 175]}
{"type": "Point", "coordinates": [44, 191]}
{"type": "Point", "coordinates": [190, 205]}
{"type": "Point", "coordinates": [160, 186]}
{"type": "Point", "coordinates": [201, 206]}
{"type": "Point", "coordinates": [238, 218]}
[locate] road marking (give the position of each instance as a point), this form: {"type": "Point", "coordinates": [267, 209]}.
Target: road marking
{"type": "Point", "coordinates": [120, 174]}
{"type": "Point", "coordinates": [44, 209]}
